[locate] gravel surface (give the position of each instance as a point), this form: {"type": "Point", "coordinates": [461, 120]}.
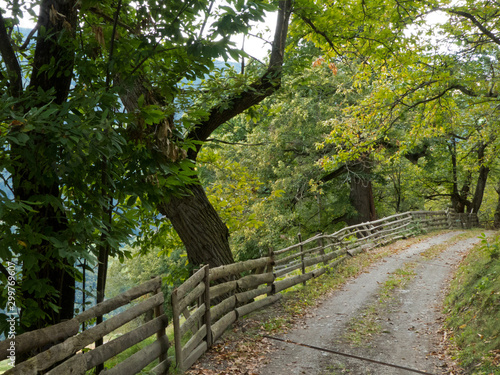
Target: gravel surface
{"type": "Point", "coordinates": [409, 323]}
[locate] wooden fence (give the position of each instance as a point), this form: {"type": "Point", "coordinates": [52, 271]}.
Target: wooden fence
{"type": "Point", "coordinates": [255, 283]}
{"type": "Point", "coordinates": [67, 353]}
{"type": "Point", "coordinates": [206, 304]}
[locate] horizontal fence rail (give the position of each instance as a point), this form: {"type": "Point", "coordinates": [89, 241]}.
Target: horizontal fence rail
{"type": "Point", "coordinates": [69, 352]}
{"type": "Point", "coordinates": [207, 303]}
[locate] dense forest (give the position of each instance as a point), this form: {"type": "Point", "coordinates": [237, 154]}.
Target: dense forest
{"type": "Point", "coordinates": [134, 145]}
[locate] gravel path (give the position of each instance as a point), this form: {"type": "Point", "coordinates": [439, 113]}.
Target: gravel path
{"type": "Point", "coordinates": [409, 323]}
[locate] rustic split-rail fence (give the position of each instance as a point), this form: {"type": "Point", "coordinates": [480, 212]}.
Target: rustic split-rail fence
{"type": "Point", "coordinates": [206, 304]}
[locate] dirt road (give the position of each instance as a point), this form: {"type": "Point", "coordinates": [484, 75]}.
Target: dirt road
{"type": "Point", "coordinates": [405, 322]}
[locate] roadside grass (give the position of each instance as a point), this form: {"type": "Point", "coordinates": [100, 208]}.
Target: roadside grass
{"type": "Point", "coordinates": [4, 366]}
{"type": "Point", "coordinates": [473, 310]}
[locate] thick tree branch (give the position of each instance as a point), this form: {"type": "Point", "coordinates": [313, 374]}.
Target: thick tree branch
{"type": "Point", "coordinates": [10, 59]}
{"type": "Point", "coordinates": [29, 37]}
{"type": "Point", "coordinates": [269, 82]}
{"type": "Point", "coordinates": [336, 173]}
{"type": "Point", "coordinates": [237, 143]}
{"type": "Point", "coordinates": [437, 196]}
{"type": "Point", "coordinates": [100, 13]}
{"type": "Point", "coordinates": [478, 24]}
{"type": "Point", "coordinates": [4, 271]}
{"type": "Point", "coordinates": [465, 90]}
{"type": "Point", "coordinates": [59, 17]}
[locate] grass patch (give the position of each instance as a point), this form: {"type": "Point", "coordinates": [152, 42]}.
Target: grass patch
{"type": "Point", "coordinates": [473, 309]}
{"type": "Point", "coordinates": [365, 325]}
{"type": "Point", "coordinates": [435, 250]}
{"type": "Point", "coordinates": [4, 366]}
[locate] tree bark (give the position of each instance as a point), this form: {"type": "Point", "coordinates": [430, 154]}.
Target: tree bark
{"type": "Point", "coordinates": [496, 219]}
{"type": "Point", "coordinates": [459, 200]}
{"type": "Point", "coordinates": [481, 180]}
{"type": "Point", "coordinates": [200, 228]}
{"type": "Point", "coordinates": [361, 195]}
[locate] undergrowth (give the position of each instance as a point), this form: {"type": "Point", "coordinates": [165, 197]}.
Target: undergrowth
{"type": "Point", "coordinates": [473, 309]}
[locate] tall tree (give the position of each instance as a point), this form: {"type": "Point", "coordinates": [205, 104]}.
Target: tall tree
{"type": "Point", "coordinates": [82, 173]}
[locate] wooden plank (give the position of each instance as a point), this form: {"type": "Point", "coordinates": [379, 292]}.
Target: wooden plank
{"type": "Point", "coordinates": [302, 265]}
{"type": "Point", "coordinates": [59, 332]}
{"type": "Point", "coordinates": [197, 353]}
{"type": "Point", "coordinates": [222, 308]}
{"type": "Point", "coordinates": [244, 297]}
{"type": "Point", "coordinates": [162, 368]}
{"type": "Point", "coordinates": [190, 322]}
{"type": "Point", "coordinates": [159, 311]}
{"type": "Point", "coordinates": [221, 325]}
{"type": "Point", "coordinates": [108, 350]}
{"type": "Point", "coordinates": [250, 307]}
{"type": "Point", "coordinates": [284, 271]}
{"type": "Point", "coordinates": [177, 328]}
{"type": "Point", "coordinates": [317, 248]}
{"type": "Point", "coordinates": [193, 342]}
{"type": "Point", "coordinates": [222, 289]}
{"type": "Point", "coordinates": [355, 251]}
{"type": "Point", "coordinates": [252, 281]}
{"type": "Point", "coordinates": [207, 317]}
{"type": "Point", "coordinates": [192, 296]}
{"type": "Point", "coordinates": [137, 361]}
{"type": "Point", "coordinates": [67, 348]}
{"type": "Point", "coordinates": [270, 269]}
{"type": "Point", "coordinates": [291, 281]}
{"type": "Point", "coordinates": [191, 282]}
{"type": "Point", "coordinates": [322, 258]}
{"type": "Point", "coordinates": [237, 268]}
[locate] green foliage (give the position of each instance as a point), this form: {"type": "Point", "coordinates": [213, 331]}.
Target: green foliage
{"type": "Point", "coordinates": [142, 266]}
{"type": "Point", "coordinates": [473, 307]}
{"type": "Point", "coordinates": [280, 192]}
{"type": "Point", "coordinates": [85, 165]}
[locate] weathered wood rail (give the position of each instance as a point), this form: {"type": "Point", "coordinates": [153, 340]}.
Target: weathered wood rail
{"type": "Point", "coordinates": [206, 304]}
{"type": "Point", "coordinates": [67, 353]}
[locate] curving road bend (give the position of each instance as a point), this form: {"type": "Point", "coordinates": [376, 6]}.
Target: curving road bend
{"type": "Point", "coordinates": [409, 324]}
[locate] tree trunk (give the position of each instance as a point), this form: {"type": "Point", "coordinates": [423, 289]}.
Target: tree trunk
{"type": "Point", "coordinates": [200, 228]}
{"type": "Point", "coordinates": [458, 198]}
{"type": "Point", "coordinates": [496, 220]}
{"type": "Point", "coordinates": [34, 179]}
{"type": "Point", "coordinates": [197, 223]}
{"type": "Point", "coordinates": [361, 195]}
{"type": "Point", "coordinates": [481, 181]}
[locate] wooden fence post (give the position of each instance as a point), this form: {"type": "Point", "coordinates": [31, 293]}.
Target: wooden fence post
{"type": "Point", "coordinates": [177, 329]}
{"type": "Point", "coordinates": [321, 244]}
{"type": "Point", "coordinates": [270, 269]}
{"type": "Point", "coordinates": [206, 318]}
{"type": "Point", "coordinates": [303, 266]}
{"type": "Point", "coordinates": [158, 311]}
